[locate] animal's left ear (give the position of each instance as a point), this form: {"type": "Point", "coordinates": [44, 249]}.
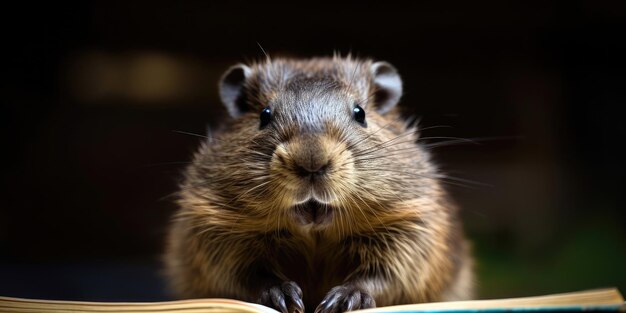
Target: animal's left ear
{"type": "Point", "coordinates": [388, 86]}
{"type": "Point", "coordinates": [232, 91]}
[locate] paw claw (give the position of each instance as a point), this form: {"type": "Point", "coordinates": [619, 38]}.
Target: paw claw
{"type": "Point", "coordinates": [345, 298]}
{"type": "Point", "coordinates": [287, 298]}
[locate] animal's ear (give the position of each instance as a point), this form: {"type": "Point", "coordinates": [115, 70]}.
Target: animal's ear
{"type": "Point", "coordinates": [232, 90]}
{"type": "Point", "coordinates": [388, 86]}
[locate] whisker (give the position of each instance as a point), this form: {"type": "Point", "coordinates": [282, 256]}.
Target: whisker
{"type": "Point", "coordinates": [464, 180]}
{"type": "Point", "coordinates": [398, 152]}
{"type": "Point", "coordinates": [358, 64]}
{"type": "Point", "coordinates": [378, 154]}
{"type": "Point", "coordinates": [475, 140]}
{"type": "Point", "coordinates": [352, 145]}
{"type": "Point", "coordinates": [385, 144]}
{"type": "Point", "coordinates": [467, 140]}
{"type": "Point", "coordinates": [436, 126]}
{"type": "Point", "coordinates": [267, 56]}
{"type": "Point", "coordinates": [192, 134]}
{"type": "Point", "coordinates": [368, 98]}
{"type": "Point", "coordinates": [169, 196]}
{"type": "Point", "coordinates": [439, 177]}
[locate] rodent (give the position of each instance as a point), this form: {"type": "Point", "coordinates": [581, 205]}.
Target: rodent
{"type": "Point", "coordinates": [316, 196]}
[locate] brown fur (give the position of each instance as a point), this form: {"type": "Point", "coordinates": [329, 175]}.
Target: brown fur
{"type": "Point", "coordinates": [390, 228]}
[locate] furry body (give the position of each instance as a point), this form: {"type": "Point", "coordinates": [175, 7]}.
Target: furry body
{"type": "Point", "coordinates": [351, 213]}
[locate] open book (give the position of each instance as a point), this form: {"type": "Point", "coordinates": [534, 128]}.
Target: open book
{"type": "Point", "coordinates": [606, 300]}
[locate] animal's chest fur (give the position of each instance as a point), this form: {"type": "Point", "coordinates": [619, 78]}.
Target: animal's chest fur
{"type": "Point", "coordinates": [315, 264]}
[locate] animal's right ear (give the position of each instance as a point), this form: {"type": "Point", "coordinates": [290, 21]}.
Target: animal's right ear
{"type": "Point", "coordinates": [232, 90]}
{"type": "Point", "coordinates": [388, 86]}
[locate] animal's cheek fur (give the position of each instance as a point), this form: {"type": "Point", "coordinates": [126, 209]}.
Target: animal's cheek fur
{"type": "Point", "coordinates": [280, 168]}
{"type": "Point", "coordinates": [341, 174]}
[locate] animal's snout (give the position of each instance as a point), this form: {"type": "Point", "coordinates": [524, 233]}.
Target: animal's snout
{"type": "Point", "coordinates": [312, 167]}
{"type": "Point", "coordinates": [310, 157]}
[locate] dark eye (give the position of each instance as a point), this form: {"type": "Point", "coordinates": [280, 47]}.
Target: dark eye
{"type": "Point", "coordinates": [266, 117]}
{"type": "Point", "coordinates": [359, 114]}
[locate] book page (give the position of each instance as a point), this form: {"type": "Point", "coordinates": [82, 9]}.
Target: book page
{"type": "Point", "coordinates": [182, 306]}
{"type": "Point", "coordinates": [601, 298]}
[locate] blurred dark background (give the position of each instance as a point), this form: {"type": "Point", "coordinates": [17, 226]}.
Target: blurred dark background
{"type": "Point", "coordinates": [93, 93]}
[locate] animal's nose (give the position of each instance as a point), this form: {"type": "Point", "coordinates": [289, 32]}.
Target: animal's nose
{"type": "Point", "coordinates": [309, 156]}
{"type": "Point", "coordinates": [312, 169]}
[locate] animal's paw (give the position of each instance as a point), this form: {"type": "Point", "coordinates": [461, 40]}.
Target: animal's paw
{"type": "Point", "coordinates": [286, 298]}
{"type": "Point", "coordinates": [345, 298]}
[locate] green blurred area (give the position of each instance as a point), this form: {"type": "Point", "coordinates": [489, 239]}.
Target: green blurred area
{"type": "Point", "coordinates": [591, 256]}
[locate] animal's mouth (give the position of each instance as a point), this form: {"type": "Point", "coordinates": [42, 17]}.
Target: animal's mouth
{"type": "Point", "coordinates": [313, 212]}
